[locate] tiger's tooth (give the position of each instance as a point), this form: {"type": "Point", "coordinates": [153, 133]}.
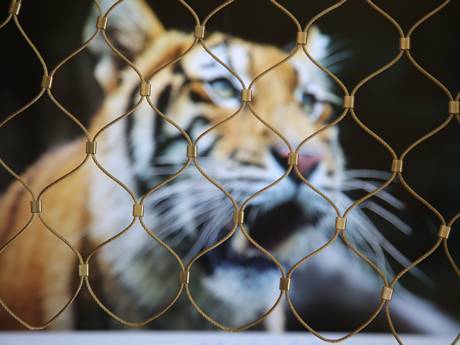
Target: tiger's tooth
{"type": "Point", "coordinates": [239, 243]}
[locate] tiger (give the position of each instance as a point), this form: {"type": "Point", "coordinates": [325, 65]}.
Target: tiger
{"type": "Point", "coordinates": [135, 276]}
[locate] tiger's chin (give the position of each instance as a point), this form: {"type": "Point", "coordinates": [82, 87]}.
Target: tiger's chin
{"type": "Point", "coordinates": [244, 278]}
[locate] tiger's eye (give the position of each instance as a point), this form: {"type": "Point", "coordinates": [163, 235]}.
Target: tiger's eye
{"type": "Point", "coordinates": [224, 88]}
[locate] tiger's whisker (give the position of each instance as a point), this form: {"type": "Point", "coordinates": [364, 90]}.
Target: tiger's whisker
{"type": "Point", "coordinates": [366, 173]}
{"type": "Point", "coordinates": [390, 217]}
{"type": "Point", "coordinates": [352, 185]}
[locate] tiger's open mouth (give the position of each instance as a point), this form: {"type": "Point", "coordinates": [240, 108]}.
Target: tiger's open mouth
{"type": "Point", "coordinates": [273, 227]}
{"type": "Point", "coordinates": [269, 228]}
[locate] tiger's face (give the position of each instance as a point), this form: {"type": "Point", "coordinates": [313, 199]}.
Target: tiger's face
{"type": "Point", "coordinates": [244, 152]}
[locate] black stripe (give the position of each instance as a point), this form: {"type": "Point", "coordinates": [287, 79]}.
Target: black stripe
{"type": "Point", "coordinates": [162, 104]}
{"type": "Point", "coordinates": [178, 69]}
{"type": "Point", "coordinates": [130, 124]}
{"type": "Point", "coordinates": [164, 98]}
{"type": "Point", "coordinates": [140, 184]}
{"type": "Point", "coordinates": [198, 98]}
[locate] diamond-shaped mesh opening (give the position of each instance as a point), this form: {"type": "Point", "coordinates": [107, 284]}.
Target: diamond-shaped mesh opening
{"type": "Point", "coordinates": [135, 96]}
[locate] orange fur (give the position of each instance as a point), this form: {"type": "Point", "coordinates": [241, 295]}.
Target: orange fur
{"type": "Point", "coordinates": [34, 273]}
{"type": "Point", "coordinates": [38, 271]}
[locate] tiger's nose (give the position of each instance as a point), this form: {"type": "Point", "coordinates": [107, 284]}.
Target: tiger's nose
{"type": "Point", "coordinates": [307, 163]}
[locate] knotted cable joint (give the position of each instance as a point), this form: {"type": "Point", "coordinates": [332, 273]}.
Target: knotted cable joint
{"type": "Point", "coordinates": [404, 43]}
{"type": "Point", "coordinates": [91, 147]}
{"type": "Point", "coordinates": [454, 107]}
{"type": "Point", "coordinates": [348, 102]}
{"type": "Point", "coordinates": [101, 23]}
{"type": "Point", "coordinates": [293, 158]}
{"type": "Point", "coordinates": [138, 210]}
{"type": "Point", "coordinates": [184, 277]}
{"type": "Point", "coordinates": [444, 231]}
{"type": "Point", "coordinates": [15, 7]}
{"type": "Point", "coordinates": [83, 270]}
{"type": "Point", "coordinates": [285, 283]}
{"type": "Point", "coordinates": [340, 223]}
{"type": "Point", "coordinates": [191, 151]}
{"type": "Point", "coordinates": [47, 82]}
{"type": "Point", "coordinates": [238, 217]}
{"type": "Point", "coordinates": [146, 89]}
{"type": "Point", "coordinates": [36, 206]}
{"type": "Point", "coordinates": [301, 38]}
{"type": "Point", "coordinates": [397, 166]}
{"type": "Point", "coordinates": [246, 95]}
{"type": "Point", "coordinates": [387, 293]}
{"type": "Point", "coordinates": [199, 32]}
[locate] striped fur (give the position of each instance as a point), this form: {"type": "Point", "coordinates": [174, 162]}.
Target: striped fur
{"type": "Point", "coordinates": [133, 275]}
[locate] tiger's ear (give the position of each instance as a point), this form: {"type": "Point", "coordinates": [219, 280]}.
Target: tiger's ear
{"type": "Point", "coordinates": [131, 27]}
{"type": "Point", "coordinates": [317, 44]}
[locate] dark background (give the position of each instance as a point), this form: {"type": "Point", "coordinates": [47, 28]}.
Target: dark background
{"type": "Point", "coordinates": [400, 105]}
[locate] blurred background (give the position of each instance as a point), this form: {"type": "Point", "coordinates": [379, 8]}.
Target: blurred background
{"type": "Point", "coordinates": [401, 105]}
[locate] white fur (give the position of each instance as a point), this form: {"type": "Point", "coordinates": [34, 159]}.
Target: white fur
{"type": "Point", "coordinates": [243, 292]}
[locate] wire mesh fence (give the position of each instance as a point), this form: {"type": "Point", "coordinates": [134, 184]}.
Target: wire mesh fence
{"type": "Point", "coordinates": [248, 95]}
